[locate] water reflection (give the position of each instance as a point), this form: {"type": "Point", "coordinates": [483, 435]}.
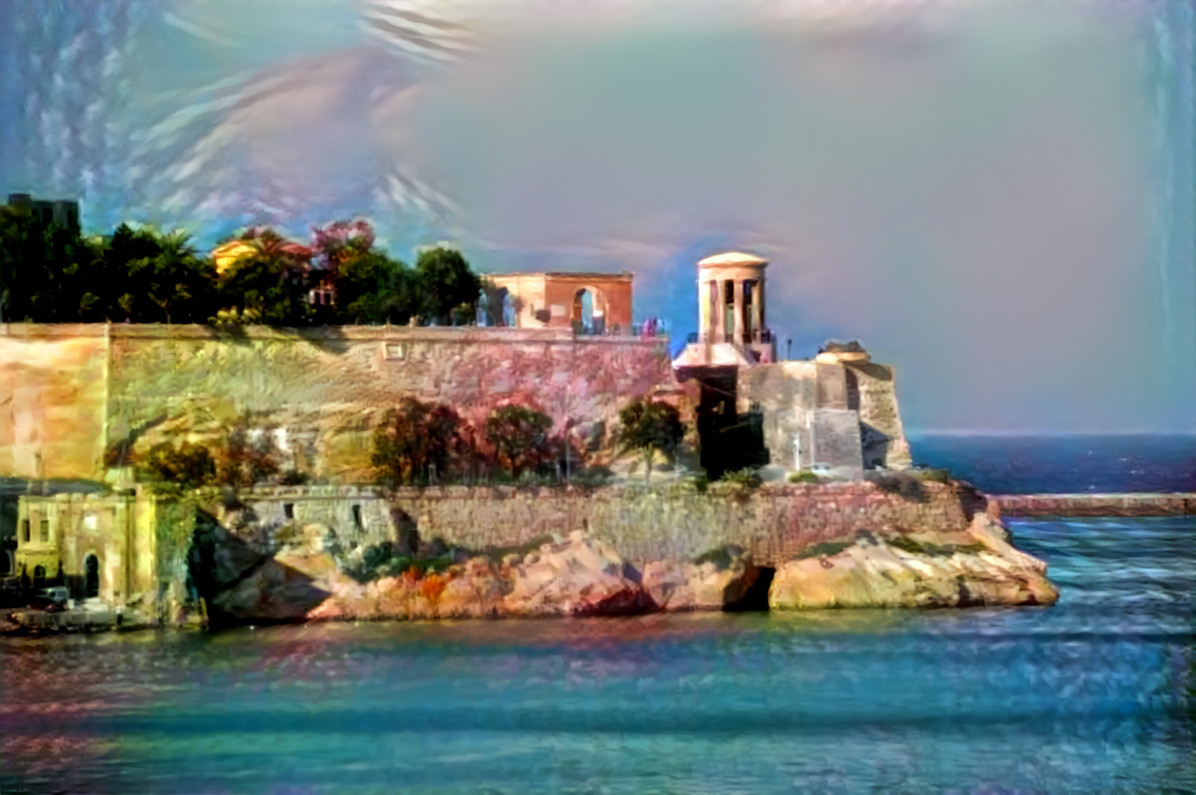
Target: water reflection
{"type": "Point", "coordinates": [1092, 694]}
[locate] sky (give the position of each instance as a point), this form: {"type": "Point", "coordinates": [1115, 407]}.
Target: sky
{"type": "Point", "coordinates": [995, 197]}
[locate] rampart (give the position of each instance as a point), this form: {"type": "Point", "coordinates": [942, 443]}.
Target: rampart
{"type": "Point", "coordinates": [68, 392]}
{"type": "Point", "coordinates": [772, 523]}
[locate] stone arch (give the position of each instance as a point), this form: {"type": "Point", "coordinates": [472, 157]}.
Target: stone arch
{"type": "Point", "coordinates": [39, 577]}
{"type": "Point", "coordinates": [91, 575]}
{"type": "Point", "coordinates": [591, 317]}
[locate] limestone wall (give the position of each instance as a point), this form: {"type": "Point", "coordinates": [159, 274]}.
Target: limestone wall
{"type": "Point", "coordinates": [67, 391]}
{"type": "Point", "coordinates": [52, 396]}
{"type": "Point", "coordinates": [773, 523]}
{"type": "Point", "coordinates": [875, 385]}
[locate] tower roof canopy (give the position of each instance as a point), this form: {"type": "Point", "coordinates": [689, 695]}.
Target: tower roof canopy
{"type": "Point", "coordinates": [731, 258]}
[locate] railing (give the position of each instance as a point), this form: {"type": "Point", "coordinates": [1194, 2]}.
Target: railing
{"type": "Point", "coordinates": [634, 331]}
{"type": "Point", "coordinates": [760, 337]}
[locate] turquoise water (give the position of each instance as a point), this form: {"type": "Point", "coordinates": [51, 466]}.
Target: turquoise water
{"type": "Point", "coordinates": [1095, 694]}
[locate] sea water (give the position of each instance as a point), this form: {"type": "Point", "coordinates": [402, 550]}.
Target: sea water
{"type": "Point", "coordinates": [1094, 694]}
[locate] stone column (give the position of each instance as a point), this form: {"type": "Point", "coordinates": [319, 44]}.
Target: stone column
{"type": "Point", "coordinates": [738, 310]}
{"type": "Point", "coordinates": [719, 312]}
{"type": "Point", "coordinates": [758, 308]}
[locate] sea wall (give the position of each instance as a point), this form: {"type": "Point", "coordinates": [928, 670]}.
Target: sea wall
{"type": "Point", "coordinates": [772, 523]}
{"type": "Point", "coordinates": [1135, 504]}
{"type": "Point", "coordinates": [67, 392]}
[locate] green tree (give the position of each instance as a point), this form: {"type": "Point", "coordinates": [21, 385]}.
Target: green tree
{"type": "Point", "coordinates": [270, 289]}
{"type": "Point", "coordinates": [373, 288]}
{"type": "Point", "coordinates": [649, 425]}
{"type": "Point", "coordinates": [415, 439]}
{"type": "Point", "coordinates": [271, 285]}
{"type": "Point", "coordinates": [443, 281]}
{"type": "Point", "coordinates": [188, 466]}
{"type": "Point", "coordinates": [174, 285]}
{"type": "Point", "coordinates": [42, 268]}
{"type": "Point", "coordinates": [520, 436]}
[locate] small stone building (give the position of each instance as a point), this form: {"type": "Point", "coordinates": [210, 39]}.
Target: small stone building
{"type": "Point", "coordinates": [98, 545]}
{"type": "Point", "coordinates": [129, 547]}
{"type": "Point", "coordinates": [593, 303]}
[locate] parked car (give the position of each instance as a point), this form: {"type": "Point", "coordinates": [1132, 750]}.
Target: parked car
{"type": "Point", "coordinates": [58, 594]}
{"type": "Point", "coordinates": [52, 600]}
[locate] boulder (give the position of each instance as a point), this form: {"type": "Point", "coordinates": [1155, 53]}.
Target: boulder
{"type": "Point", "coordinates": [577, 577]}
{"type": "Point", "coordinates": [976, 567]}
{"type": "Point", "coordinates": [711, 585]}
{"type": "Point", "coordinates": [272, 592]}
{"type": "Point", "coordinates": [477, 591]}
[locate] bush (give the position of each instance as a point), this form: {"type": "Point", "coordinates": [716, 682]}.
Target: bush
{"type": "Point", "coordinates": [520, 436]}
{"type": "Point", "coordinates": [933, 475]}
{"type": "Point", "coordinates": [805, 476]}
{"type": "Point", "coordinates": [188, 466]}
{"type": "Point", "coordinates": [386, 560]}
{"type": "Point", "coordinates": [746, 478]}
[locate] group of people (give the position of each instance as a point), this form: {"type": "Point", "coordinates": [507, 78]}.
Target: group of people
{"type": "Point", "coordinates": [653, 326]}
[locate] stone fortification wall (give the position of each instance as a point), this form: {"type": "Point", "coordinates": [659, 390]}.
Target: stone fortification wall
{"type": "Point", "coordinates": [772, 523]}
{"type": "Point", "coordinates": [52, 398]}
{"type": "Point", "coordinates": [841, 414]}
{"type": "Point", "coordinates": [875, 386]}
{"type": "Point", "coordinates": [68, 391]}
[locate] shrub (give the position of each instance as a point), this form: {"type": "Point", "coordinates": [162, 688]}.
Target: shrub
{"type": "Point", "coordinates": [746, 478]}
{"type": "Point", "coordinates": [520, 436]}
{"type": "Point", "coordinates": [805, 476]}
{"type": "Point", "coordinates": [186, 466]}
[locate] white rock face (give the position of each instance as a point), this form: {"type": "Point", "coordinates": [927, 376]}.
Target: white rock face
{"type": "Point", "coordinates": [975, 567]}
{"type": "Point", "coordinates": [578, 577]}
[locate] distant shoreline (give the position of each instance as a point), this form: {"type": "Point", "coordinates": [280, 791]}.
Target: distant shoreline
{"type": "Point", "coordinates": [1096, 504]}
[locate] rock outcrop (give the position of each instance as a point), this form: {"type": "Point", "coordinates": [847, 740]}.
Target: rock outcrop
{"type": "Point", "coordinates": [581, 576]}
{"type": "Point", "coordinates": [977, 566]}
{"type": "Point", "coordinates": [720, 582]}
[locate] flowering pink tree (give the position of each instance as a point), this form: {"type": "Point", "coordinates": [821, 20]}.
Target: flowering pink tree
{"type": "Point", "coordinates": [341, 241]}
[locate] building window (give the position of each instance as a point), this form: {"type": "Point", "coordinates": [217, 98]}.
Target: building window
{"type": "Point", "coordinates": [396, 350]}
{"type": "Point", "coordinates": [288, 510]}
{"type": "Point", "coordinates": [357, 517]}
{"type": "Point", "coordinates": [25, 531]}
{"type": "Point", "coordinates": [45, 531]}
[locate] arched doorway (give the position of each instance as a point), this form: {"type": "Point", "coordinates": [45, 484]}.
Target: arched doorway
{"type": "Point", "coordinates": [589, 312]}
{"type": "Point", "coordinates": [39, 577]}
{"type": "Point", "coordinates": [6, 563]}
{"type": "Point", "coordinates": [91, 577]}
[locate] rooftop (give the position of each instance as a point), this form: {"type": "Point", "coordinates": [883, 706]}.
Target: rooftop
{"type": "Point", "coordinates": [624, 275]}
{"type": "Point", "coordinates": [732, 258]}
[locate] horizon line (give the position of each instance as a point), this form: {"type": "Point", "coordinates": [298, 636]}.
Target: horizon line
{"type": "Point", "coordinates": [1050, 432]}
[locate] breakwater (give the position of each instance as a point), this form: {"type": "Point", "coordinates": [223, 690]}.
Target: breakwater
{"type": "Point", "coordinates": [1129, 504]}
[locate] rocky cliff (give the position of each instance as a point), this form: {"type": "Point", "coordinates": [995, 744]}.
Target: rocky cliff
{"type": "Point", "coordinates": [580, 576]}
